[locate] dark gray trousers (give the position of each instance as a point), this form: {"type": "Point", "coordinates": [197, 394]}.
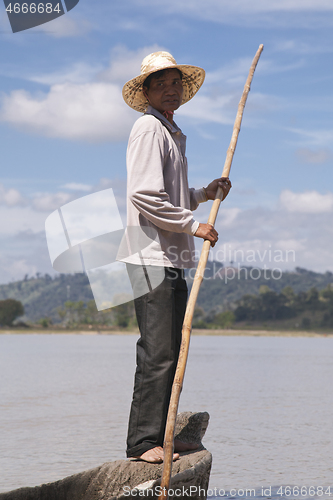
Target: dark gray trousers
{"type": "Point", "coordinates": [160, 314]}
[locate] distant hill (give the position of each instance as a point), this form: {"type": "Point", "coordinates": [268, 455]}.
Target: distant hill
{"type": "Point", "coordinates": [224, 286]}
{"type": "Point", "coordinates": [42, 295]}
{"type": "Point", "coordinates": [221, 288]}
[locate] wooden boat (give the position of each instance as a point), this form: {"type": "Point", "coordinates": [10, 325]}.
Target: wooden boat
{"type": "Point", "coordinates": [129, 479]}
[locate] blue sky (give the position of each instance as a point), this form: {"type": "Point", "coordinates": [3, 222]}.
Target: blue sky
{"type": "Point", "coordinates": [64, 126]}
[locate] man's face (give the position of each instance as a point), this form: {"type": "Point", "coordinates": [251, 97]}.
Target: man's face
{"type": "Point", "coordinates": [165, 92]}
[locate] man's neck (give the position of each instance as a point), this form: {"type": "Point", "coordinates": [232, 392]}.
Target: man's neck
{"type": "Point", "coordinates": [168, 115]}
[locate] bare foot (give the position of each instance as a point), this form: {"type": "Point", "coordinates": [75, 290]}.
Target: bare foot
{"type": "Point", "coordinates": [180, 446]}
{"type": "Point", "coordinates": [155, 455]}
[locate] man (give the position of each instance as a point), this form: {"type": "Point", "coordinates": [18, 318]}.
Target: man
{"type": "Point", "coordinates": [159, 199]}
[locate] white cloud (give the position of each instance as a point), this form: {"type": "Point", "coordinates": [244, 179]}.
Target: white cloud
{"type": "Point", "coordinates": [291, 244]}
{"type": "Point", "coordinates": [75, 109]}
{"type": "Point", "coordinates": [74, 186]}
{"type": "Point", "coordinates": [92, 112]}
{"type": "Point", "coordinates": [15, 269]}
{"type": "Point", "coordinates": [270, 67]}
{"type": "Point", "coordinates": [209, 109]}
{"type": "Point", "coordinates": [288, 5]}
{"type": "Point", "coordinates": [320, 137]}
{"type": "Point", "coordinates": [40, 202]}
{"type": "Point", "coordinates": [24, 252]}
{"type": "Point", "coordinates": [11, 197]}
{"type": "Point", "coordinates": [15, 219]}
{"type": "Point", "coordinates": [229, 216]}
{"type": "Point", "coordinates": [254, 13]}
{"type": "Point", "coordinates": [125, 64]}
{"type": "Point", "coordinates": [302, 48]}
{"type": "Point", "coordinates": [309, 202]}
{"type": "Point", "coordinates": [215, 106]}
{"type": "Point", "coordinates": [21, 207]}
{"type": "Point", "coordinates": [51, 201]}
{"type": "Point", "coordinates": [65, 26]}
{"type": "Point", "coordinates": [297, 238]}
{"type": "Point", "coordinates": [310, 156]}
{"type": "Point", "coordinates": [235, 73]}
{"type": "Point", "coordinates": [231, 73]}
{"type": "Point", "coordinates": [239, 6]}
{"type": "Point", "coordinates": [275, 237]}
{"type": "Point", "coordinates": [78, 73]}
{"type": "Point", "coordinates": [217, 100]}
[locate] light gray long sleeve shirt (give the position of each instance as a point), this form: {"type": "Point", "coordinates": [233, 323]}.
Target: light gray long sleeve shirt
{"type": "Point", "coordinates": [158, 195]}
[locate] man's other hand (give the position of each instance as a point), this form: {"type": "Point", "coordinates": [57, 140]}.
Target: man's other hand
{"type": "Point", "coordinates": [223, 182]}
{"type": "Point", "coordinates": [207, 232]}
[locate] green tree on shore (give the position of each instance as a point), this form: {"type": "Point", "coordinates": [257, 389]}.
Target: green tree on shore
{"type": "Point", "coordinates": [74, 314]}
{"type": "Point", "coordinates": [10, 310]}
{"type": "Point", "coordinates": [327, 296]}
{"type": "Point", "coordinates": [271, 306]}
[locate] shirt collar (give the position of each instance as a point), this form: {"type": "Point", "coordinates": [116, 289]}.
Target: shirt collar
{"type": "Point", "coordinates": [172, 127]}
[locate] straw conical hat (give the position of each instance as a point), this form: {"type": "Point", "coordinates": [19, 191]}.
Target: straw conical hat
{"type": "Point", "coordinates": [193, 78]}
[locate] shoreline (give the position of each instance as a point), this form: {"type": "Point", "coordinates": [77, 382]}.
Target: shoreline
{"type": "Point", "coordinates": [203, 332]}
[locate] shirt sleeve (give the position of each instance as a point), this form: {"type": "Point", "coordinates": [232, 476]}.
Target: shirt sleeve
{"type": "Point", "coordinates": [197, 196]}
{"type": "Point", "coordinates": [146, 190]}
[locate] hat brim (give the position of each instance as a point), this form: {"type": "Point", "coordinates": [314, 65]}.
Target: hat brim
{"type": "Point", "coordinates": [193, 78]}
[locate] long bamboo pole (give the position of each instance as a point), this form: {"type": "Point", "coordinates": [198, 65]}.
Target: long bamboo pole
{"type": "Point", "coordinates": [187, 325]}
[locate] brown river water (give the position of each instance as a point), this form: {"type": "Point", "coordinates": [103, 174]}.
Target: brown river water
{"type": "Point", "coordinates": [64, 403]}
